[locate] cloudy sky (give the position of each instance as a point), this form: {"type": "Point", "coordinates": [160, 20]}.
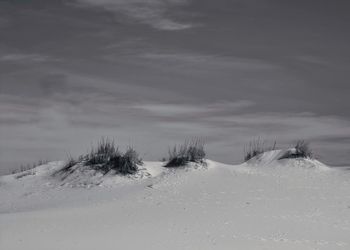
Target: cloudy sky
{"type": "Point", "coordinates": [152, 73]}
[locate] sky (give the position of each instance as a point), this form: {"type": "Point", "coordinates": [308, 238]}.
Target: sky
{"type": "Point", "coordinates": [153, 73]}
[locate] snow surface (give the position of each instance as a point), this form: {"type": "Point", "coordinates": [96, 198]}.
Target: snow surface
{"type": "Point", "coordinates": [265, 203]}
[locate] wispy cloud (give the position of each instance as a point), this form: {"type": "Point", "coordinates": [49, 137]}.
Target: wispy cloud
{"type": "Point", "coordinates": [185, 59]}
{"type": "Point", "coordinates": [193, 110]}
{"type": "Point", "coordinates": [312, 60]}
{"type": "Point", "coordinates": [25, 58]}
{"type": "Point", "coordinates": [286, 125]}
{"type": "Point", "coordinates": [150, 12]}
{"type": "Point", "coordinates": [14, 110]}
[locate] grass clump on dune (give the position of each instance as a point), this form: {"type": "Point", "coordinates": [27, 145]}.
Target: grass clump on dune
{"type": "Point", "coordinates": [106, 157]}
{"type": "Point", "coordinates": [301, 150]}
{"type": "Point", "coordinates": [190, 151]}
{"type": "Point", "coordinates": [257, 147]}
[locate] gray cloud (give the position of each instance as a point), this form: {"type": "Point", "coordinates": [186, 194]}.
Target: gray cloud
{"type": "Point", "coordinates": [179, 110]}
{"type": "Point", "coordinates": [14, 110]}
{"type": "Point", "coordinates": [183, 60]}
{"type": "Point", "coordinates": [25, 58]}
{"type": "Point", "coordinates": [150, 12]}
{"type": "Point", "coordinates": [54, 83]}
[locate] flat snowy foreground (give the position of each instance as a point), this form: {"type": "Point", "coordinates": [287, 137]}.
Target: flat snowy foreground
{"type": "Point", "coordinates": [265, 204]}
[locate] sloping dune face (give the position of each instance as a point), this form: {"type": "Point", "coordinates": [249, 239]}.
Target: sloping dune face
{"type": "Point", "coordinates": [279, 158]}
{"type": "Point", "coordinates": [263, 204]}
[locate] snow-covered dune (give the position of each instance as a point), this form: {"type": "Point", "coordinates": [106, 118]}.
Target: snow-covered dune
{"type": "Point", "coordinates": [266, 203]}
